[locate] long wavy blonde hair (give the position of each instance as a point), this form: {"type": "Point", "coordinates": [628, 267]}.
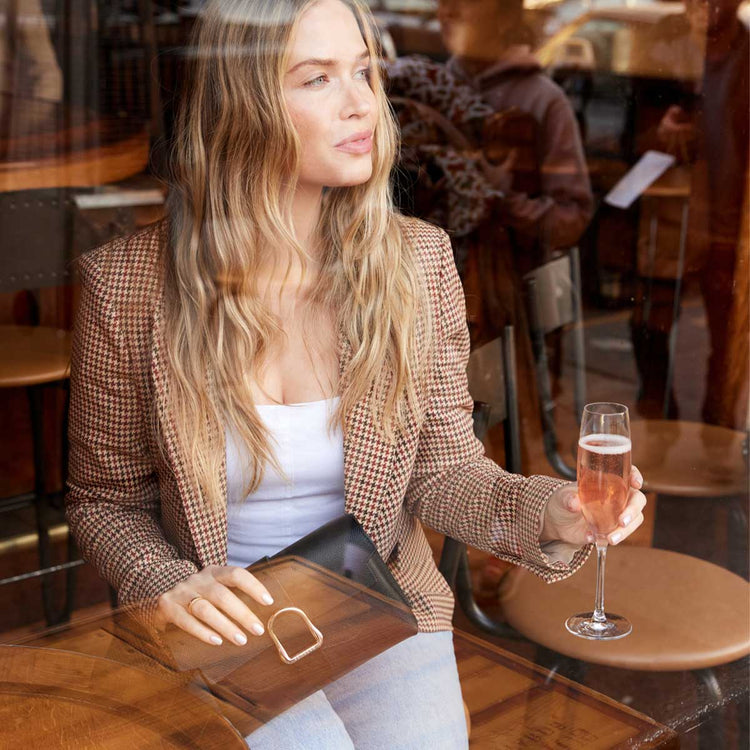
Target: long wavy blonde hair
{"type": "Point", "coordinates": [234, 170]}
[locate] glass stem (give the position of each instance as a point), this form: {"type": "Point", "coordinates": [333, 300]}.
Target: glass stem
{"type": "Point", "coordinates": [601, 557]}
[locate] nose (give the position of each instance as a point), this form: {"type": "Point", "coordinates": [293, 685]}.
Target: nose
{"type": "Point", "coordinates": [358, 100]}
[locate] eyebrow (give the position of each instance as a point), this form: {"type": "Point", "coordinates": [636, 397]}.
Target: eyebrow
{"type": "Point", "coordinates": [323, 62]}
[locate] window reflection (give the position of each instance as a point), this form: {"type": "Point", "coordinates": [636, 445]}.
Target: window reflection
{"type": "Point", "coordinates": [517, 119]}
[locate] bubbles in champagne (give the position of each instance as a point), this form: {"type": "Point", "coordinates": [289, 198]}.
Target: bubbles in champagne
{"type": "Point", "coordinates": [603, 479]}
{"type": "Point", "coordinates": [606, 445]}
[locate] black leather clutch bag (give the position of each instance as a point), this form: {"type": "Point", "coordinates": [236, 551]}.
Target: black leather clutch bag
{"type": "Point", "coordinates": [342, 547]}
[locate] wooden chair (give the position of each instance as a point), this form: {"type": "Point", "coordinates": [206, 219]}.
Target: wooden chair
{"type": "Point", "coordinates": [38, 237]}
{"type": "Point", "coordinates": [37, 358]}
{"type": "Point", "coordinates": [554, 302]}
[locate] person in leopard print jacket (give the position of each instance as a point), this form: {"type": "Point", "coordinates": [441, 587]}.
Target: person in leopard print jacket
{"type": "Point", "coordinates": [490, 72]}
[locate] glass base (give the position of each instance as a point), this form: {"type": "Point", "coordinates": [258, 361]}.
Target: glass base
{"type": "Point", "coordinates": [584, 626]}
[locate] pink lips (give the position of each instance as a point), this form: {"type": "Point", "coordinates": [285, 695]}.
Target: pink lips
{"type": "Point", "coordinates": [359, 143]}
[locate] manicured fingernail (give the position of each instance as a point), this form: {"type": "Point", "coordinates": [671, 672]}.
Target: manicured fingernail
{"type": "Point", "coordinates": [590, 538]}
{"type": "Point", "coordinates": [267, 599]}
{"type": "Point", "coordinates": [615, 537]}
{"type": "Point", "coordinates": [215, 640]}
{"type": "Point", "coordinates": [240, 639]}
{"type": "Point", "coordinates": [257, 629]}
{"type": "Point", "coordinates": [625, 520]}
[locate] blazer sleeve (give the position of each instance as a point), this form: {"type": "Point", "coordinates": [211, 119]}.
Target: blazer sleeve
{"type": "Point", "coordinates": [112, 503]}
{"type": "Point", "coordinates": [454, 488]}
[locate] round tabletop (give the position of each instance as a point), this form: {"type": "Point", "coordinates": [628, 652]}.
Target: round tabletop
{"type": "Point", "coordinates": [686, 613]}
{"type": "Point", "coordinates": [46, 145]}
{"type": "Point", "coordinates": [33, 355]}
{"type": "Point", "coordinates": [60, 699]}
{"type": "Point", "coordinates": [689, 459]}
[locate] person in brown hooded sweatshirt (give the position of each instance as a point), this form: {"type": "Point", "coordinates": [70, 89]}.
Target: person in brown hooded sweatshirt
{"type": "Point", "coordinates": [491, 52]}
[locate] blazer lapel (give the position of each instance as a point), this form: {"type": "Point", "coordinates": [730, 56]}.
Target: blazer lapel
{"type": "Point", "coordinates": [208, 528]}
{"type": "Point", "coordinates": [367, 465]}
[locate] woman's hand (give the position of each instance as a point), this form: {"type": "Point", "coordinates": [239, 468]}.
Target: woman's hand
{"type": "Point", "coordinates": [564, 521]}
{"type": "Point", "coordinates": [216, 611]}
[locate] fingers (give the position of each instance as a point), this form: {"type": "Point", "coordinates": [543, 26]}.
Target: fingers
{"type": "Point", "coordinates": [241, 579]}
{"type": "Point", "coordinates": [217, 613]}
{"type": "Point", "coordinates": [567, 498]}
{"type": "Point", "coordinates": [191, 625]}
{"type": "Point", "coordinates": [631, 518]}
{"type": "Point", "coordinates": [174, 611]}
{"type": "Point", "coordinates": [214, 614]}
{"type": "Point", "coordinates": [228, 604]}
{"type": "Point", "coordinates": [636, 478]}
{"type": "Point", "coordinates": [617, 536]}
{"type": "Point", "coordinates": [573, 503]}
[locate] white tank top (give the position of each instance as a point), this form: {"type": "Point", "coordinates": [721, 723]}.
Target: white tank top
{"type": "Point", "coordinates": [281, 511]}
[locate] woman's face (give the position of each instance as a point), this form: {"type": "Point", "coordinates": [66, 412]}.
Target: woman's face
{"type": "Point", "coordinates": [329, 98]}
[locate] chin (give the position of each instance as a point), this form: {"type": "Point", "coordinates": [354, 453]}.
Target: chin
{"type": "Point", "coordinates": [353, 178]}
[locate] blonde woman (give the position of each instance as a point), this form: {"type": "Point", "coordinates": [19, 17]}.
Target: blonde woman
{"type": "Point", "coordinates": [283, 349]}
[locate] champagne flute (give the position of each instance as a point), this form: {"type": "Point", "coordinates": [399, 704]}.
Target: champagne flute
{"type": "Point", "coordinates": [603, 486]}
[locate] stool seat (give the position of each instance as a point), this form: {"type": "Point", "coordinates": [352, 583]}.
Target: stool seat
{"type": "Point", "coordinates": [33, 355]}
{"type": "Point", "coordinates": [689, 459]}
{"type": "Point", "coordinates": [687, 614]}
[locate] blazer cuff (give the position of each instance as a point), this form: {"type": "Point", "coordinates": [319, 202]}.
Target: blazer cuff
{"type": "Point", "coordinates": [555, 560]}
{"type": "Point", "coordinates": [559, 552]}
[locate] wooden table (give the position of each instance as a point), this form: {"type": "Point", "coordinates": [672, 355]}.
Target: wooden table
{"type": "Point", "coordinates": [516, 704]}
{"type": "Point", "coordinates": [46, 145]}
{"type": "Point", "coordinates": [513, 703]}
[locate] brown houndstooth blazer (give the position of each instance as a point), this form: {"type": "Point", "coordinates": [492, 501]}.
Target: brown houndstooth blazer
{"type": "Point", "coordinates": [141, 522]}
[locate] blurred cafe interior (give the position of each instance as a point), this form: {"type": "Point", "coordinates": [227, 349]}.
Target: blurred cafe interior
{"type": "Point", "coordinates": [589, 161]}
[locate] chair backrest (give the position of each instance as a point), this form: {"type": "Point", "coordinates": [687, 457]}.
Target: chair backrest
{"type": "Point", "coordinates": [37, 231]}
{"type": "Point", "coordinates": [553, 293]}
{"type": "Point", "coordinates": [491, 374]}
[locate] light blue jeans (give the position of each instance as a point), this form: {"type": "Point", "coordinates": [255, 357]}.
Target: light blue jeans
{"type": "Point", "coordinates": [407, 698]}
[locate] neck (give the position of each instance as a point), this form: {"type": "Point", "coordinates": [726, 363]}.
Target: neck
{"type": "Point", "coordinates": [305, 214]}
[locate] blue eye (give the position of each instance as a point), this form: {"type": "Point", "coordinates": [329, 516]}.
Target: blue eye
{"type": "Point", "coordinates": [316, 81]}
{"type": "Point", "coordinates": [364, 73]}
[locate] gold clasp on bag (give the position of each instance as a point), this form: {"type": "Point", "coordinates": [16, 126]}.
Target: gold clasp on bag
{"type": "Point", "coordinates": [280, 648]}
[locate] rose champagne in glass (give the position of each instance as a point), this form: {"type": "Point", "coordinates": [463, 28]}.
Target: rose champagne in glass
{"type": "Point", "coordinates": [603, 485]}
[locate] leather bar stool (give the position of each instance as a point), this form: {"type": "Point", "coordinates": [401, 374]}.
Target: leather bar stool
{"type": "Point", "coordinates": [689, 459]}
{"type": "Point", "coordinates": [687, 614]}
{"type": "Point", "coordinates": [36, 358]}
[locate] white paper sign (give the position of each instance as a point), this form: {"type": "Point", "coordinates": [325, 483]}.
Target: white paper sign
{"type": "Point", "coordinates": [649, 168]}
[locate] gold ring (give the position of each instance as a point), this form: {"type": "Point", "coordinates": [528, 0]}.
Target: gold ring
{"type": "Point", "coordinates": [191, 602]}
